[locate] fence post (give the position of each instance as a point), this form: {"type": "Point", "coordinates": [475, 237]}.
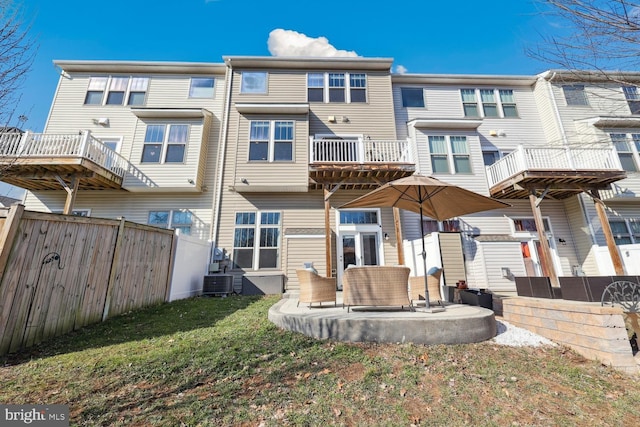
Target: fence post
{"type": "Point", "coordinates": [8, 233]}
{"type": "Point", "coordinates": [114, 264]}
{"type": "Point", "coordinates": [174, 247]}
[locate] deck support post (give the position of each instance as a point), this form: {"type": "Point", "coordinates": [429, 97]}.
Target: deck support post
{"type": "Point", "coordinates": [614, 253]}
{"type": "Point", "coordinates": [547, 260]}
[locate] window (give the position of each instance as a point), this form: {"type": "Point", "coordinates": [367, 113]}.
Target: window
{"type": "Point", "coordinates": [460, 153]}
{"type": "Point", "coordinates": [494, 103]}
{"type": "Point", "coordinates": [575, 95]}
{"type": "Point", "coordinates": [489, 105]}
{"type": "Point", "coordinates": [337, 87]}
{"type": "Point", "coordinates": [165, 143]}
{"type": "Point", "coordinates": [528, 224]}
{"type": "Point", "coordinates": [95, 91]}
{"type": "Point", "coordinates": [271, 141]}
{"type": "Point", "coordinates": [358, 87]}
{"type": "Point", "coordinates": [131, 89]}
{"type": "Point", "coordinates": [633, 98]}
{"type": "Point", "coordinates": [508, 103]}
{"type": "Point", "coordinates": [490, 157]}
{"type": "Point", "coordinates": [432, 226]}
{"type": "Point", "coordinates": [201, 87]}
{"type": "Point", "coordinates": [623, 143]}
{"type": "Point", "coordinates": [117, 89]}
{"type": "Point", "coordinates": [358, 217]}
{"type": "Point", "coordinates": [625, 230]}
{"type": "Point", "coordinates": [179, 219]}
{"type": "Point", "coordinates": [137, 90]}
{"type": "Point", "coordinates": [254, 82]}
{"type": "Point", "coordinates": [315, 87]}
{"type": "Point", "coordinates": [412, 97]}
{"type": "Point", "coordinates": [263, 228]}
{"type": "Point", "coordinates": [469, 103]}
{"type": "Point", "coordinates": [449, 153]}
{"type": "Point", "coordinates": [76, 212]}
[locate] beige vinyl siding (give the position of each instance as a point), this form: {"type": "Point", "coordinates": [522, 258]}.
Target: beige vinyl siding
{"type": "Point", "coordinates": [271, 175]}
{"type": "Point", "coordinates": [165, 176]}
{"type": "Point", "coordinates": [282, 87]}
{"type": "Point", "coordinates": [488, 266]}
{"type": "Point", "coordinates": [134, 207]}
{"type": "Point", "coordinates": [70, 115]}
{"type": "Point", "coordinates": [374, 118]}
{"type": "Point", "coordinates": [475, 181]}
{"type": "Point", "coordinates": [544, 97]}
{"type": "Point", "coordinates": [299, 250]}
{"type": "Point", "coordinates": [452, 258]}
{"type": "Point", "coordinates": [581, 235]}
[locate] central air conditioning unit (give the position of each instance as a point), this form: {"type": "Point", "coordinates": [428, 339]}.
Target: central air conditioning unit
{"type": "Point", "coordinates": [218, 284]}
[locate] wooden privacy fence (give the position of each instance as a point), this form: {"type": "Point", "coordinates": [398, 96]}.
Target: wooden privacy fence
{"type": "Point", "coordinates": [59, 273]}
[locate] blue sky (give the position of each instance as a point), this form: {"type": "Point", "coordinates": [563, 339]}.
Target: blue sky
{"type": "Point", "coordinates": [462, 37]}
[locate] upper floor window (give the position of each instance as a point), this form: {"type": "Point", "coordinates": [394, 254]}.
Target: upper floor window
{"type": "Point", "coordinates": [116, 90]}
{"type": "Point", "coordinates": [493, 103]}
{"type": "Point", "coordinates": [632, 95]}
{"type": "Point", "coordinates": [529, 225]}
{"type": "Point", "coordinates": [412, 97]}
{"type": "Point", "coordinates": [337, 87]}
{"type": "Point", "coordinates": [489, 157]}
{"type": "Point", "coordinates": [253, 82]}
{"type": "Point", "coordinates": [201, 87]}
{"type": "Point", "coordinates": [575, 95]}
{"type": "Point", "coordinates": [165, 143]}
{"type": "Point", "coordinates": [256, 240]}
{"type": "Point", "coordinates": [628, 148]}
{"type": "Point", "coordinates": [271, 141]}
{"type": "Point", "coordinates": [178, 219]}
{"type": "Point", "coordinates": [449, 153]}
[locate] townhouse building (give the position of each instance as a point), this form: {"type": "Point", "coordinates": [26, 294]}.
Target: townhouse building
{"type": "Point", "coordinates": [258, 154]}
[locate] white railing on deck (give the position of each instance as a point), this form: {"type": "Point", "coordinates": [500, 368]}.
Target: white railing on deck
{"type": "Point", "coordinates": [574, 159]}
{"type": "Point", "coordinates": [82, 145]}
{"type": "Point", "coordinates": [360, 151]}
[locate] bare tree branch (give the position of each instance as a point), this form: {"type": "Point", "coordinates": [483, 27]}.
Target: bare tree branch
{"type": "Point", "coordinates": [17, 52]}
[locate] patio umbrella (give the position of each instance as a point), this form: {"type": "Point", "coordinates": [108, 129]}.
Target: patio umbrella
{"type": "Point", "coordinates": [427, 196]}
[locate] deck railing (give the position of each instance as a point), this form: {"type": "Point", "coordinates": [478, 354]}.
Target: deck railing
{"type": "Point", "coordinates": [360, 150]}
{"type": "Point", "coordinates": [81, 145]}
{"type": "Point", "coordinates": [561, 158]}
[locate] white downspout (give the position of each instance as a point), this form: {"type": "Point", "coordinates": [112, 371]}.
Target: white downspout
{"type": "Point", "coordinates": [222, 153]}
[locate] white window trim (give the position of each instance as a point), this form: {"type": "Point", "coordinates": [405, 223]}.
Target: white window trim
{"type": "Point", "coordinates": [127, 93]}
{"type": "Point", "coordinates": [266, 83]}
{"type": "Point", "coordinates": [529, 234]}
{"type": "Point", "coordinates": [272, 143]}
{"type": "Point", "coordinates": [257, 230]}
{"type": "Point", "coordinates": [627, 223]}
{"type": "Point", "coordinates": [635, 153]}
{"type": "Point", "coordinates": [170, 224]}
{"type": "Point", "coordinates": [497, 101]}
{"type": "Point", "coordinates": [165, 143]}
{"type": "Point", "coordinates": [213, 89]}
{"type": "Point", "coordinates": [450, 155]}
{"type": "Point", "coordinates": [584, 92]}
{"type": "Point", "coordinates": [117, 139]}
{"type": "Point", "coordinates": [347, 87]}
{"type": "Point", "coordinates": [416, 88]}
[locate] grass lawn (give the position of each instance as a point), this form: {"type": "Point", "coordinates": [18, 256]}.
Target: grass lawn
{"type": "Point", "coordinates": [219, 361]}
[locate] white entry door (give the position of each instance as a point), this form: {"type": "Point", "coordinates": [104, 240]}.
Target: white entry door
{"type": "Point", "coordinates": [359, 240]}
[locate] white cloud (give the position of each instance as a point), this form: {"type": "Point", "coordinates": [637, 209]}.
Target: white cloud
{"type": "Point", "coordinates": [292, 43]}
{"type": "Point", "coordinates": [401, 69]}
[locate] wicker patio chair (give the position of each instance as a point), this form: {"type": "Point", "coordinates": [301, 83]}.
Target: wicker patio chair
{"type": "Point", "coordinates": [376, 286]}
{"type": "Point", "coordinates": [416, 288]}
{"type": "Point", "coordinates": [315, 288]}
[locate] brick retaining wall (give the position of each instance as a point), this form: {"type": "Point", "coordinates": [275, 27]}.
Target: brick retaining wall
{"type": "Point", "coordinates": [595, 332]}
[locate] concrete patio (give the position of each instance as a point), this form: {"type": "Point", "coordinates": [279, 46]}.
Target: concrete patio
{"type": "Point", "coordinates": [456, 324]}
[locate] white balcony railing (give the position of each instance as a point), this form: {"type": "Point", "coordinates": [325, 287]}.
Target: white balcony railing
{"type": "Point", "coordinates": [360, 150]}
{"type": "Point", "coordinates": [82, 145]}
{"type": "Point", "coordinates": [563, 159]}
